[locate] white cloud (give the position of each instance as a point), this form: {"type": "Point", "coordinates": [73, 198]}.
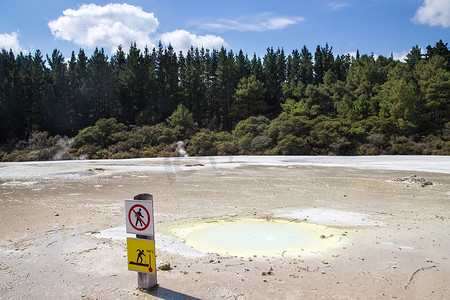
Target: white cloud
{"type": "Point", "coordinates": [434, 13]}
{"type": "Point", "coordinates": [259, 22]}
{"type": "Point", "coordinates": [337, 5]}
{"type": "Point", "coordinates": [122, 24]}
{"type": "Point", "coordinates": [182, 40]}
{"type": "Point", "coordinates": [352, 54]}
{"type": "Point", "coordinates": [11, 41]}
{"type": "Point", "coordinates": [105, 26]}
{"type": "Point", "coordinates": [400, 56]}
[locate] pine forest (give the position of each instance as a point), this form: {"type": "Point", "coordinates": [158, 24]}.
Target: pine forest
{"type": "Point", "coordinates": [152, 103]}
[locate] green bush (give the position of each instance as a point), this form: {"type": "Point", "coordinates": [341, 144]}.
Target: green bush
{"type": "Point", "coordinates": [225, 144]}
{"type": "Point", "coordinates": [101, 154]}
{"type": "Point", "coordinates": [132, 153]}
{"type": "Point", "coordinates": [331, 137]}
{"type": "Point", "coordinates": [260, 145]}
{"type": "Point", "coordinates": [292, 145]}
{"type": "Point", "coordinates": [252, 126]}
{"type": "Point", "coordinates": [85, 151]}
{"type": "Point", "coordinates": [245, 144]}
{"type": "Point", "coordinates": [146, 136]}
{"type": "Point", "coordinates": [18, 155]}
{"type": "Point", "coordinates": [3, 156]}
{"type": "Point", "coordinates": [433, 145]}
{"type": "Point", "coordinates": [162, 150]}
{"type": "Point", "coordinates": [202, 144]}
{"type": "Point", "coordinates": [226, 148]}
{"type": "Point", "coordinates": [104, 133]}
{"type": "Point", "coordinates": [182, 120]}
{"type": "Point", "coordinates": [285, 125]}
{"type": "Point", "coordinates": [402, 145]}
{"type": "Point", "coordinates": [367, 149]}
{"type": "Point", "coordinates": [40, 147]}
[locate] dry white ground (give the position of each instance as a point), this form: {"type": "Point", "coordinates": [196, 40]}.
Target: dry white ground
{"type": "Point", "coordinates": [62, 227]}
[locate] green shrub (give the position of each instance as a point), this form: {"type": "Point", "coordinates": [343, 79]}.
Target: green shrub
{"type": "Point", "coordinates": [285, 125]}
{"type": "Point", "coordinates": [161, 150]}
{"type": "Point", "coordinates": [101, 154]}
{"type": "Point", "coordinates": [3, 156]}
{"type": "Point", "coordinates": [202, 144]}
{"type": "Point", "coordinates": [40, 147]}
{"type": "Point", "coordinates": [18, 155]}
{"type": "Point", "coordinates": [330, 136]}
{"type": "Point", "coordinates": [226, 148]}
{"type": "Point", "coordinates": [402, 145]}
{"type": "Point", "coordinates": [104, 133]}
{"type": "Point", "coordinates": [433, 145]}
{"type": "Point", "coordinates": [292, 145]}
{"type": "Point", "coordinates": [85, 151]}
{"type": "Point", "coordinates": [182, 120]}
{"type": "Point", "coordinates": [225, 144]}
{"type": "Point", "coordinates": [133, 153]}
{"type": "Point", "coordinates": [254, 126]}
{"type": "Point", "coordinates": [367, 149]}
{"type": "Point", "coordinates": [260, 145]}
{"type": "Point", "coordinates": [245, 143]}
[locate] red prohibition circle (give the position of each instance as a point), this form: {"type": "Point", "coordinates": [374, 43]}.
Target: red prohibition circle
{"type": "Point", "coordinates": [129, 217]}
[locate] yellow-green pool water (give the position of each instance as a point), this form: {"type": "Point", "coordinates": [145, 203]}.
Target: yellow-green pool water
{"type": "Point", "coordinates": [252, 236]}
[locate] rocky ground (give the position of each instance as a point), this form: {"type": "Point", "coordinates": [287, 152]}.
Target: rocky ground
{"type": "Point", "coordinates": [62, 227]}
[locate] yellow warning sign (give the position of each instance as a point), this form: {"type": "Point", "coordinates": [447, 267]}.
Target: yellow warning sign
{"type": "Point", "coordinates": [141, 255]}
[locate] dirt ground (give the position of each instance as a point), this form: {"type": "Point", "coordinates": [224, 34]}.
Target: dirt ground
{"type": "Point", "coordinates": [52, 213]}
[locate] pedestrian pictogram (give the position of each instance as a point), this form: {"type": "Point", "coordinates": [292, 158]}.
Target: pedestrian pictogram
{"type": "Point", "coordinates": [139, 215]}
{"type": "Point", "coordinates": [141, 255]}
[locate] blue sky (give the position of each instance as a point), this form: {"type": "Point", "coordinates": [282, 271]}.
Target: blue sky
{"type": "Point", "coordinates": [381, 27]}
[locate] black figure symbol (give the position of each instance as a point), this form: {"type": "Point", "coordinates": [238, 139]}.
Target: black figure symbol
{"type": "Point", "coordinates": [139, 260]}
{"type": "Point", "coordinates": [139, 216]}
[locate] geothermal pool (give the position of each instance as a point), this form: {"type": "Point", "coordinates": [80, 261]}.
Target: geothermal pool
{"type": "Point", "coordinates": [260, 237]}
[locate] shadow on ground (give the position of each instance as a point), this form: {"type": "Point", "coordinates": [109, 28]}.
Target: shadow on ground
{"type": "Point", "coordinates": [167, 294]}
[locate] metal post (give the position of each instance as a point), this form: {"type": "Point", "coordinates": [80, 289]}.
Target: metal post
{"type": "Point", "coordinates": [146, 280]}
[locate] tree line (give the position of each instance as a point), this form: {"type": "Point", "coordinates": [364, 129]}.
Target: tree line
{"type": "Point", "coordinates": [329, 104]}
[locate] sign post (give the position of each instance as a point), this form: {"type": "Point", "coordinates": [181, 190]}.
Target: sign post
{"type": "Point", "coordinates": [141, 250]}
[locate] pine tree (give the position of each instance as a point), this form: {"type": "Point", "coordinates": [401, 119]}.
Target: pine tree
{"type": "Point", "coordinates": [79, 102]}
{"type": "Point", "coordinates": [413, 57]}
{"type": "Point", "coordinates": [440, 49]}
{"type": "Point", "coordinates": [227, 83]}
{"type": "Point", "coordinates": [39, 91]}
{"type": "Point", "coordinates": [243, 65]}
{"type": "Point", "coordinates": [212, 90]}
{"type": "Point", "coordinates": [249, 99]}
{"type": "Point", "coordinates": [434, 82]}
{"type": "Point", "coordinates": [323, 61]}
{"type": "Point", "coordinates": [167, 82]}
{"type": "Point", "coordinates": [57, 104]}
{"type": "Point", "coordinates": [257, 68]}
{"type": "Point", "coordinates": [135, 94]}
{"type": "Point", "coordinates": [306, 66]}
{"type": "Point", "coordinates": [194, 83]}
{"type": "Point", "coordinates": [100, 87]}
{"type": "Point", "coordinates": [274, 64]}
{"type": "Point", "coordinates": [293, 67]}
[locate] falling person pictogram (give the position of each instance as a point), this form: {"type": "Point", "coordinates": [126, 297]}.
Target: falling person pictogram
{"type": "Point", "coordinates": [139, 259]}
{"type": "Point", "coordinates": [140, 255]}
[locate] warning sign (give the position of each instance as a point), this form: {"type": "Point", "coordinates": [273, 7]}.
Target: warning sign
{"type": "Point", "coordinates": [141, 255]}
{"type": "Point", "coordinates": [139, 215]}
